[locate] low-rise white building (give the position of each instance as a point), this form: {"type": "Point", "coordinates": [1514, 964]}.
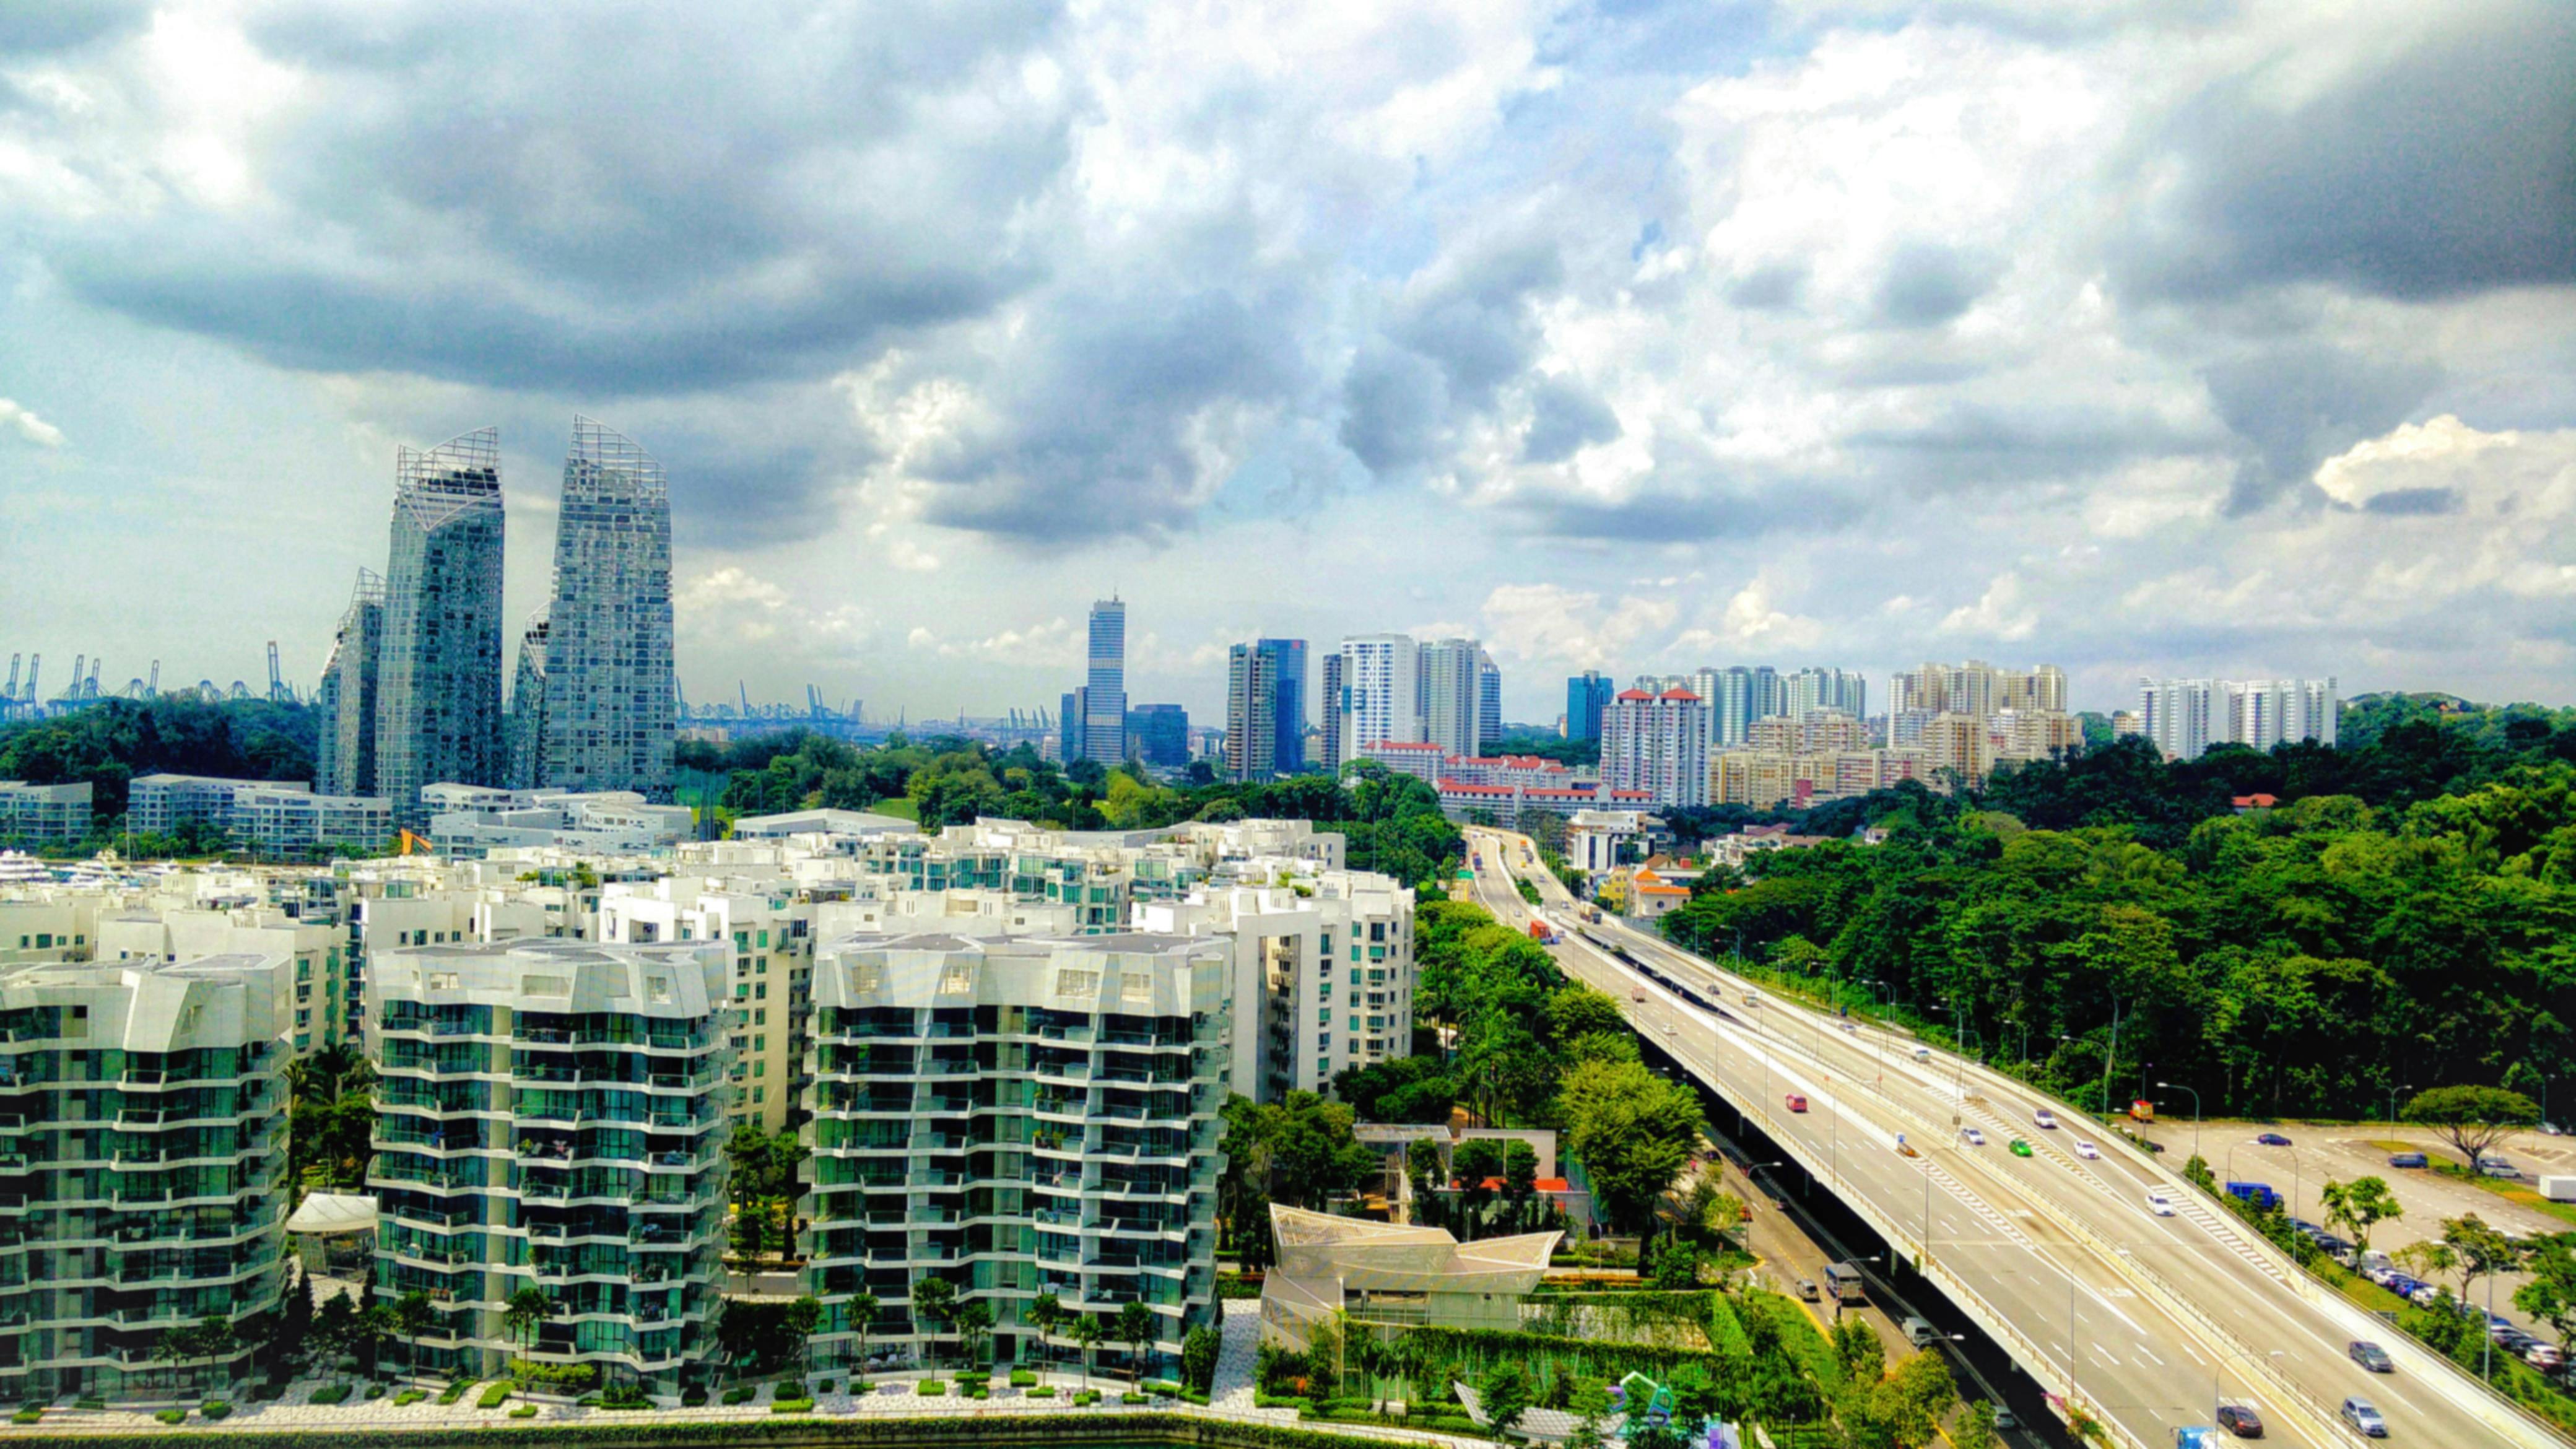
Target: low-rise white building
{"type": "Point", "coordinates": [470, 820]}
{"type": "Point", "coordinates": [44, 814]}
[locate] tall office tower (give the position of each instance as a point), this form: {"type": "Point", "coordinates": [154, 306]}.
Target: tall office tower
{"type": "Point", "coordinates": [552, 1115]}
{"type": "Point", "coordinates": [1288, 675]}
{"type": "Point", "coordinates": [344, 751]}
{"type": "Point", "coordinates": [1044, 1109]}
{"type": "Point", "coordinates": [1489, 704]}
{"type": "Point", "coordinates": [1251, 713]}
{"type": "Point", "coordinates": [2178, 715]}
{"type": "Point", "coordinates": [608, 713]}
{"type": "Point", "coordinates": [147, 1166]}
{"type": "Point", "coordinates": [1380, 694]}
{"type": "Point", "coordinates": [1160, 734]}
{"type": "Point", "coordinates": [438, 689]}
{"type": "Point", "coordinates": [1657, 743]}
{"type": "Point", "coordinates": [1068, 726]}
{"type": "Point", "coordinates": [1449, 687]}
{"type": "Point", "coordinates": [1587, 698]}
{"type": "Point", "coordinates": [524, 732]}
{"type": "Point", "coordinates": [1104, 709]}
{"type": "Point", "coordinates": [1331, 704]}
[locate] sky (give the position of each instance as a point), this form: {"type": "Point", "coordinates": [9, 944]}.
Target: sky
{"type": "Point", "coordinates": [2173, 336]}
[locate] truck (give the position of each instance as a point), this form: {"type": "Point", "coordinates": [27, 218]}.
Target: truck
{"type": "Point", "coordinates": [2142, 1110]}
{"type": "Point", "coordinates": [1842, 1282]}
{"type": "Point", "coordinates": [2558, 1188]}
{"type": "Point", "coordinates": [1542, 933]}
{"type": "Point", "coordinates": [2260, 1194]}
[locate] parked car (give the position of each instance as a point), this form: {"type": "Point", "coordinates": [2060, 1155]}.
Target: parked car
{"type": "Point", "coordinates": [2406, 1159]}
{"type": "Point", "coordinates": [2364, 1419]}
{"type": "Point", "coordinates": [2370, 1356]}
{"type": "Point", "coordinates": [2241, 1421]}
{"type": "Point", "coordinates": [1972, 1137]}
{"type": "Point", "coordinates": [2498, 1167]}
{"type": "Point", "coordinates": [2088, 1151]}
{"type": "Point", "coordinates": [2045, 1118]}
{"type": "Point", "coordinates": [2425, 1296]}
{"type": "Point", "coordinates": [2272, 1139]}
{"type": "Point", "coordinates": [2545, 1356]}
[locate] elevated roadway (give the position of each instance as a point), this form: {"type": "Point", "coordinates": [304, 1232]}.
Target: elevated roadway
{"type": "Point", "coordinates": [2147, 1321]}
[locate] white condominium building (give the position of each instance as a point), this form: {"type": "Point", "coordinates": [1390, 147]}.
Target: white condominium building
{"type": "Point", "coordinates": [1014, 1117]}
{"type": "Point", "coordinates": [147, 1165]}
{"type": "Point", "coordinates": [769, 934]}
{"type": "Point", "coordinates": [43, 814]}
{"type": "Point", "coordinates": [1657, 744]}
{"type": "Point", "coordinates": [264, 817]}
{"type": "Point", "coordinates": [474, 820]}
{"type": "Point", "coordinates": [2184, 717]}
{"type": "Point", "coordinates": [1380, 697]}
{"type": "Point", "coordinates": [552, 1117]}
{"type": "Point", "coordinates": [1978, 689]}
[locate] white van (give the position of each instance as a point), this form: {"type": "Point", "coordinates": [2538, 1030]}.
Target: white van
{"type": "Point", "coordinates": [2160, 1202]}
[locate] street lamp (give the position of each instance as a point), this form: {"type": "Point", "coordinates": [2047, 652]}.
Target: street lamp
{"type": "Point", "coordinates": [2392, 1105]}
{"type": "Point", "coordinates": [2195, 1111]}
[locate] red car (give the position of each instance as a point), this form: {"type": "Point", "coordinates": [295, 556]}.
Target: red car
{"type": "Point", "coordinates": [1797, 1103]}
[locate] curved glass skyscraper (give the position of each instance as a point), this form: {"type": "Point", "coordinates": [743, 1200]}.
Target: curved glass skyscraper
{"type": "Point", "coordinates": [608, 716]}
{"type": "Point", "coordinates": [438, 693]}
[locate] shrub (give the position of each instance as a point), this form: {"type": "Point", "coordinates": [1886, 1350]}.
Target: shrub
{"type": "Point", "coordinates": [692, 1396]}
{"type": "Point", "coordinates": [495, 1394]}
{"type": "Point", "coordinates": [588, 1401]}
{"type": "Point", "coordinates": [1043, 1391]}
{"type": "Point", "coordinates": [625, 1396]}
{"type": "Point", "coordinates": [333, 1393]}
{"type": "Point", "coordinates": [215, 1409]}
{"type": "Point", "coordinates": [740, 1394]}
{"type": "Point", "coordinates": [1134, 1398]}
{"type": "Point", "coordinates": [791, 1406]}
{"type": "Point", "coordinates": [452, 1392]}
{"type": "Point", "coordinates": [172, 1416]}
{"type": "Point", "coordinates": [979, 1392]}
{"type": "Point", "coordinates": [569, 1378]}
{"type": "Point", "coordinates": [931, 1388]}
{"type": "Point", "coordinates": [1160, 1386]}
{"type": "Point", "coordinates": [409, 1397]}
{"type": "Point", "coordinates": [267, 1393]}
{"type": "Point", "coordinates": [375, 1392]}
{"type": "Point", "coordinates": [89, 1403]}
{"type": "Point", "coordinates": [32, 1414]}
{"type": "Point", "coordinates": [524, 1411]}
{"type": "Point", "coordinates": [1023, 1379]}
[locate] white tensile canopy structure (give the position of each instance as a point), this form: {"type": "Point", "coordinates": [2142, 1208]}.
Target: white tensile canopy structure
{"type": "Point", "coordinates": [1392, 1275]}
{"type": "Point", "coordinates": [326, 1213]}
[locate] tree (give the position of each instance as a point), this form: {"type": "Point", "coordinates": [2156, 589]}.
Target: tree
{"type": "Point", "coordinates": [1136, 1330]}
{"type": "Point", "coordinates": [412, 1316]}
{"type": "Point", "coordinates": [1374, 1357]}
{"type": "Point", "coordinates": [2471, 1119]}
{"type": "Point", "coordinates": [934, 1298]}
{"type": "Point", "coordinates": [1676, 1266]}
{"type": "Point", "coordinates": [2480, 1249]}
{"type": "Point", "coordinates": [1046, 1314]}
{"type": "Point", "coordinates": [1423, 1168]}
{"type": "Point", "coordinates": [334, 1327]}
{"type": "Point", "coordinates": [2360, 1205]}
{"type": "Point", "coordinates": [525, 1310]}
{"type": "Point", "coordinates": [214, 1338]}
{"type": "Point", "coordinates": [1198, 1357]}
{"type": "Point", "coordinates": [175, 1346]}
{"type": "Point", "coordinates": [1633, 1132]}
{"type": "Point", "coordinates": [1478, 1161]}
{"type": "Point", "coordinates": [1975, 1428]}
{"type": "Point", "coordinates": [2426, 1260]}
{"type": "Point", "coordinates": [803, 1316]}
{"type": "Point", "coordinates": [1591, 1407]}
{"type": "Point", "coordinates": [1505, 1390]}
{"type": "Point", "coordinates": [2550, 1296]}
{"type": "Point", "coordinates": [1857, 1349]}
{"type": "Point", "coordinates": [1088, 1332]}
{"type": "Point", "coordinates": [975, 1326]}
{"type": "Point", "coordinates": [862, 1311]}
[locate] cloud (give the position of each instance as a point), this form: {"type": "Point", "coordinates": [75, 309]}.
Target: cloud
{"type": "Point", "coordinates": [2002, 612]}
{"type": "Point", "coordinates": [1928, 284]}
{"type": "Point", "coordinates": [1559, 628]}
{"type": "Point", "coordinates": [29, 427]}
{"type": "Point", "coordinates": [1056, 643]}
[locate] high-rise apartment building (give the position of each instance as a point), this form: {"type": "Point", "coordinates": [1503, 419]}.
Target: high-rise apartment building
{"type": "Point", "coordinates": [1742, 695]}
{"type": "Point", "coordinates": [2184, 717]}
{"type": "Point", "coordinates": [1331, 705]}
{"type": "Point", "coordinates": [1251, 712]}
{"type": "Point", "coordinates": [344, 747]}
{"type": "Point", "coordinates": [1812, 689]}
{"type": "Point", "coordinates": [1104, 701]}
{"type": "Point", "coordinates": [1381, 692]}
{"type": "Point", "coordinates": [1657, 744]}
{"type": "Point", "coordinates": [1587, 698]}
{"type": "Point", "coordinates": [1288, 703]}
{"type": "Point", "coordinates": [438, 691]}
{"type": "Point", "coordinates": [524, 732]}
{"type": "Point", "coordinates": [1977, 688]}
{"type": "Point", "coordinates": [148, 1166]}
{"type": "Point", "coordinates": [608, 698]}
{"type": "Point", "coordinates": [1014, 1116]}
{"type": "Point", "coordinates": [1450, 689]}
{"type": "Point", "coordinates": [552, 1116]}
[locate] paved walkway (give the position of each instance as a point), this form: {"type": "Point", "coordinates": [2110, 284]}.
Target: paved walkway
{"type": "Point", "coordinates": [1237, 1359]}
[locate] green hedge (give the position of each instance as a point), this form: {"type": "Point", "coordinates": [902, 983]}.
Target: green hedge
{"type": "Point", "coordinates": [791, 1406]}
{"type": "Point", "coordinates": [495, 1394]}
{"type": "Point", "coordinates": [215, 1410]}
{"type": "Point", "coordinates": [524, 1411]}
{"type": "Point", "coordinates": [740, 1394]}
{"type": "Point", "coordinates": [32, 1414]}
{"type": "Point", "coordinates": [172, 1416]}
{"type": "Point", "coordinates": [931, 1388]}
{"type": "Point", "coordinates": [1023, 1379]}
{"type": "Point", "coordinates": [409, 1397]}
{"type": "Point", "coordinates": [1798, 1336]}
{"type": "Point", "coordinates": [454, 1391]}
{"type": "Point", "coordinates": [332, 1393]}
{"type": "Point", "coordinates": [1017, 1431]}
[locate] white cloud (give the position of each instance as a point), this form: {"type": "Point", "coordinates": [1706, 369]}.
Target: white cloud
{"type": "Point", "coordinates": [29, 427]}
{"type": "Point", "coordinates": [2001, 612]}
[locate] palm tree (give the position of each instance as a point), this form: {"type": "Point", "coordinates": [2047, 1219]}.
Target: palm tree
{"type": "Point", "coordinates": [975, 1323]}
{"type": "Point", "coordinates": [1372, 1356]}
{"type": "Point", "coordinates": [526, 1309]}
{"type": "Point", "coordinates": [1136, 1330]}
{"type": "Point", "coordinates": [1088, 1331]}
{"type": "Point", "coordinates": [933, 1298]}
{"type": "Point", "coordinates": [801, 1318]}
{"type": "Point", "coordinates": [863, 1311]}
{"type": "Point", "coordinates": [1046, 1311]}
{"type": "Point", "coordinates": [412, 1315]}
{"type": "Point", "coordinates": [213, 1339]}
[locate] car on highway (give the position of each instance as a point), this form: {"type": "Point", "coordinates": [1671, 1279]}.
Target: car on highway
{"type": "Point", "coordinates": [1972, 1137]}
{"type": "Point", "coordinates": [1797, 1102]}
{"type": "Point", "coordinates": [2240, 1420]}
{"type": "Point", "coordinates": [2406, 1159]}
{"type": "Point", "coordinates": [2160, 1202]}
{"type": "Point", "coordinates": [2498, 1167]}
{"type": "Point", "coordinates": [2271, 1139]}
{"type": "Point", "coordinates": [2018, 1148]}
{"type": "Point", "coordinates": [2045, 1118]}
{"type": "Point", "coordinates": [2364, 1419]}
{"type": "Point", "coordinates": [2088, 1151]}
{"type": "Point", "coordinates": [2370, 1356]}
{"type": "Point", "coordinates": [1851, 1028]}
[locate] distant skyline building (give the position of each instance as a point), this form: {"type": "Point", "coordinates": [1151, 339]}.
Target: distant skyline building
{"type": "Point", "coordinates": [1160, 734]}
{"type": "Point", "coordinates": [1381, 697]}
{"type": "Point", "coordinates": [1658, 744]}
{"type": "Point", "coordinates": [1489, 703]}
{"type": "Point", "coordinates": [1450, 682]}
{"type": "Point", "coordinates": [1587, 698]}
{"type": "Point", "coordinates": [1251, 713]}
{"type": "Point", "coordinates": [607, 721]}
{"type": "Point", "coordinates": [344, 748]}
{"type": "Point", "coordinates": [1104, 696]}
{"type": "Point", "coordinates": [438, 694]}
{"type": "Point", "coordinates": [1288, 691]}
{"type": "Point", "coordinates": [2184, 717]}
{"type": "Point", "coordinates": [524, 733]}
{"type": "Point", "coordinates": [1330, 704]}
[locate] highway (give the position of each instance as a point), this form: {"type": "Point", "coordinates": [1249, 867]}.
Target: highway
{"type": "Point", "coordinates": [2167, 1315]}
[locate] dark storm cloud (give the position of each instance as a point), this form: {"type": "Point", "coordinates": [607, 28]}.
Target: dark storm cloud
{"type": "Point", "coordinates": [1456, 339]}
{"type": "Point", "coordinates": [1972, 445]}
{"type": "Point", "coordinates": [2449, 169]}
{"type": "Point", "coordinates": [1695, 497]}
{"type": "Point", "coordinates": [2298, 403]}
{"type": "Point", "coordinates": [655, 200]}
{"type": "Point", "coordinates": [1564, 418]}
{"type": "Point", "coordinates": [1928, 284]}
{"type": "Point", "coordinates": [2417, 502]}
{"type": "Point", "coordinates": [1392, 405]}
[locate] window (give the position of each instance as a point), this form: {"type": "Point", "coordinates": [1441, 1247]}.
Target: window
{"type": "Point", "coordinates": [760, 1094]}
{"type": "Point", "coordinates": [1135, 985]}
{"type": "Point", "coordinates": [959, 976]}
{"type": "Point", "coordinates": [657, 989]}
{"type": "Point", "coordinates": [1073, 981]}
{"type": "Point", "coordinates": [1355, 975]}
{"type": "Point", "coordinates": [866, 975]}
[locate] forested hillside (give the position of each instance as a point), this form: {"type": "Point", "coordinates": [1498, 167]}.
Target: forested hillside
{"type": "Point", "coordinates": [113, 741]}
{"type": "Point", "coordinates": [2305, 959]}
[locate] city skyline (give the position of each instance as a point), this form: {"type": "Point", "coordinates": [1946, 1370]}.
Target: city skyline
{"type": "Point", "coordinates": [1565, 330]}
